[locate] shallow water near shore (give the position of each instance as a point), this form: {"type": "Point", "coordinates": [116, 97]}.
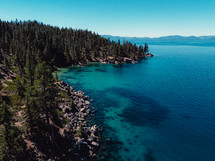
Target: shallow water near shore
{"type": "Point", "coordinates": [161, 109]}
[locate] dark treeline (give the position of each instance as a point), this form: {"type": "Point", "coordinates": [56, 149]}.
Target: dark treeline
{"type": "Point", "coordinates": [59, 47]}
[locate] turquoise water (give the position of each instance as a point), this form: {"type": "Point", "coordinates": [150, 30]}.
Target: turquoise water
{"type": "Point", "coordinates": [161, 109]}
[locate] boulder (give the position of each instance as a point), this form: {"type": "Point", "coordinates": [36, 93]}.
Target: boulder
{"type": "Point", "coordinates": [90, 152]}
{"type": "Point", "coordinates": [82, 109]}
{"type": "Point", "coordinates": [93, 128]}
{"type": "Point", "coordinates": [90, 139]}
{"type": "Point", "coordinates": [87, 102]}
{"type": "Point", "coordinates": [79, 105]}
{"type": "Point", "coordinates": [92, 136]}
{"type": "Point", "coordinates": [51, 159]}
{"type": "Point", "coordinates": [69, 125]}
{"type": "Point", "coordinates": [95, 144]}
{"type": "Point", "coordinates": [81, 119]}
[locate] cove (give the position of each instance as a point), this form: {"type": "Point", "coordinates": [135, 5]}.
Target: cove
{"type": "Point", "coordinates": [160, 109]}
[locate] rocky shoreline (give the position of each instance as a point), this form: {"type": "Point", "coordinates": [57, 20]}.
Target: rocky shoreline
{"type": "Point", "coordinates": [77, 111]}
{"type": "Point", "coordinates": [118, 60]}
{"type": "Point", "coordinates": [86, 139]}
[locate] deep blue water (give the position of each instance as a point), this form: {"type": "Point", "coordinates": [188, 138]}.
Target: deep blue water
{"type": "Point", "coordinates": [161, 109]}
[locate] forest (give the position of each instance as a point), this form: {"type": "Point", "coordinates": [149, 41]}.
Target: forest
{"type": "Point", "coordinates": [58, 46]}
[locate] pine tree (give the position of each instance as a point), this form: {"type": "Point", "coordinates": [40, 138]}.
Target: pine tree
{"type": "Point", "coordinates": [146, 48]}
{"type": "Point", "coordinates": [6, 63]}
{"type": "Point", "coordinates": [46, 90]}
{"type": "Point", "coordinates": [29, 68]}
{"type": "Point", "coordinates": [10, 145]}
{"type": "Point", "coordinates": [1, 86]}
{"type": "Point", "coordinates": [29, 116]}
{"type": "Point", "coordinates": [19, 85]}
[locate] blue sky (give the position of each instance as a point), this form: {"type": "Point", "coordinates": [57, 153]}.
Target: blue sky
{"type": "Point", "coordinates": [138, 18]}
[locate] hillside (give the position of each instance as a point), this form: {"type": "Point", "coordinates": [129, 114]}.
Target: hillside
{"type": "Point", "coordinates": [57, 46]}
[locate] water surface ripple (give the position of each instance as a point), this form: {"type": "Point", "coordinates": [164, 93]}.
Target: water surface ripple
{"type": "Point", "coordinates": [161, 109]}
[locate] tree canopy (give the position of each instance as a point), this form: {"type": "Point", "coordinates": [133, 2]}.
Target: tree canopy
{"type": "Point", "coordinates": [32, 41]}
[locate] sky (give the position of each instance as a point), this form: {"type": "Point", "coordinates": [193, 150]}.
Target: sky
{"type": "Point", "coordinates": [133, 18]}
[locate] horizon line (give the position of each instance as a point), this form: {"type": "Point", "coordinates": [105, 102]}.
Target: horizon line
{"type": "Point", "coordinates": [159, 36]}
{"type": "Point", "coordinates": [61, 27]}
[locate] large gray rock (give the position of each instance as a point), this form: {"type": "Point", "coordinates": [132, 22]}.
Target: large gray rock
{"type": "Point", "coordinates": [82, 109]}
{"type": "Point", "coordinates": [95, 144]}
{"type": "Point", "coordinates": [79, 105]}
{"type": "Point", "coordinates": [51, 159]}
{"type": "Point", "coordinates": [81, 119]}
{"type": "Point", "coordinates": [69, 125]}
{"type": "Point", "coordinates": [87, 102]}
{"type": "Point", "coordinates": [93, 128]}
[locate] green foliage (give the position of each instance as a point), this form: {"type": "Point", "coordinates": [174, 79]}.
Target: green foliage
{"type": "Point", "coordinates": [10, 138]}
{"type": "Point", "coordinates": [10, 143]}
{"type": "Point", "coordinates": [67, 120]}
{"type": "Point", "coordinates": [46, 91]}
{"type": "Point", "coordinates": [30, 67]}
{"type": "Point", "coordinates": [56, 77]}
{"type": "Point", "coordinates": [9, 88]}
{"type": "Point", "coordinates": [30, 43]}
{"type": "Point", "coordinates": [1, 86]}
{"type": "Point", "coordinates": [9, 83]}
{"type": "Point", "coordinates": [6, 63]}
{"type": "Point", "coordinates": [63, 95]}
{"type": "Point", "coordinates": [43, 75]}
{"type": "Point", "coordinates": [16, 101]}
{"type": "Point", "coordinates": [19, 86]}
{"type": "Point", "coordinates": [72, 105]}
{"type": "Point", "coordinates": [80, 131]}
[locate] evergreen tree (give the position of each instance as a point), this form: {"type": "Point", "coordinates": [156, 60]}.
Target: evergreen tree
{"type": "Point", "coordinates": [146, 48]}
{"type": "Point", "coordinates": [19, 85]}
{"type": "Point", "coordinates": [1, 86]}
{"type": "Point", "coordinates": [6, 63]}
{"type": "Point", "coordinates": [29, 67]}
{"type": "Point", "coordinates": [10, 145]}
{"type": "Point", "coordinates": [46, 90]}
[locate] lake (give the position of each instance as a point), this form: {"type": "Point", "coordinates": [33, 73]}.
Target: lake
{"type": "Point", "coordinates": [160, 109]}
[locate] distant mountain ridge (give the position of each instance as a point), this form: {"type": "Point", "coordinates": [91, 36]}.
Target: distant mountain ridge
{"type": "Point", "coordinates": [164, 38]}
{"type": "Point", "coordinates": [168, 40]}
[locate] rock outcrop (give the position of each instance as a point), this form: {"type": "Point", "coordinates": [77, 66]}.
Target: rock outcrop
{"type": "Point", "coordinates": [77, 110]}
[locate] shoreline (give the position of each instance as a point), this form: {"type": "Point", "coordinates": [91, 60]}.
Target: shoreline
{"type": "Point", "coordinates": [76, 111]}
{"type": "Point", "coordinates": [118, 61]}
{"type": "Point", "coordinates": [79, 114]}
